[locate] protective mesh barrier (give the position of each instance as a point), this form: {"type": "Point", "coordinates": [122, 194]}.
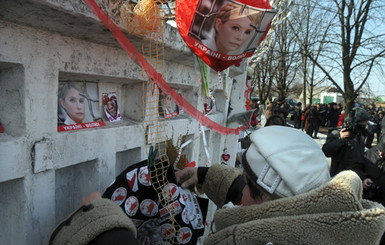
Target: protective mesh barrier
{"type": "Point", "coordinates": [148, 22]}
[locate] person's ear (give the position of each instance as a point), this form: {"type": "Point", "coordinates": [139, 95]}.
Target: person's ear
{"type": "Point", "coordinates": [218, 24]}
{"type": "Point", "coordinates": [62, 103]}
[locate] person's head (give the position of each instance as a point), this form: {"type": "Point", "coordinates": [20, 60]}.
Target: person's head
{"type": "Point", "coordinates": [275, 120]}
{"type": "Point", "coordinates": [111, 108]}
{"type": "Point", "coordinates": [282, 162]}
{"type": "Point", "coordinates": [299, 105]}
{"type": "Point", "coordinates": [280, 101]}
{"type": "Point", "coordinates": [72, 102]}
{"type": "Point", "coordinates": [234, 24]}
{"type": "Point", "coordinates": [356, 120]}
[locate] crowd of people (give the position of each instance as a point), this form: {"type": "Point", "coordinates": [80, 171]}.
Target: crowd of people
{"type": "Point", "coordinates": [331, 116]}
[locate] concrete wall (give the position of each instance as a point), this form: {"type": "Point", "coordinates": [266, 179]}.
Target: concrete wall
{"type": "Point", "coordinates": [45, 173]}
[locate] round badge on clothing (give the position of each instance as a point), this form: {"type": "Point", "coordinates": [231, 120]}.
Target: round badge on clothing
{"type": "Point", "coordinates": [168, 231]}
{"type": "Point", "coordinates": [184, 235]}
{"type": "Point", "coordinates": [131, 205]}
{"type": "Point", "coordinates": [183, 197]}
{"type": "Point", "coordinates": [170, 192]}
{"type": "Point", "coordinates": [148, 208]}
{"type": "Point", "coordinates": [144, 176]}
{"type": "Point", "coordinates": [185, 216]}
{"type": "Point", "coordinates": [119, 195]}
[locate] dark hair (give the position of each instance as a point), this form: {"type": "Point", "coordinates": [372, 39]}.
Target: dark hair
{"type": "Point", "coordinates": [256, 191]}
{"type": "Point", "coordinates": [275, 120]}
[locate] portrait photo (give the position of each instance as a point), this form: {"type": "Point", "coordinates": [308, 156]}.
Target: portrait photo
{"type": "Point", "coordinates": [167, 107]}
{"type": "Point", "coordinates": [229, 27]}
{"type": "Point", "coordinates": [78, 105]}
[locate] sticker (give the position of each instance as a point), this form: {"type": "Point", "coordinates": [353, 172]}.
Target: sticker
{"type": "Point", "coordinates": [183, 197]}
{"type": "Point", "coordinates": [184, 235]}
{"type": "Point", "coordinates": [132, 180]}
{"type": "Point", "coordinates": [170, 192]}
{"type": "Point", "coordinates": [144, 176]}
{"type": "Point", "coordinates": [173, 208]}
{"type": "Point", "coordinates": [226, 157]}
{"type": "Point", "coordinates": [119, 195]}
{"type": "Point", "coordinates": [168, 231]}
{"type": "Point", "coordinates": [148, 208]}
{"type": "Point", "coordinates": [193, 210]}
{"type": "Point", "coordinates": [111, 108]}
{"type": "Point", "coordinates": [131, 206]}
{"type": "Point", "coordinates": [184, 216]}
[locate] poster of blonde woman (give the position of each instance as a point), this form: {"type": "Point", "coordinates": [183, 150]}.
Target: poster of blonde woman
{"type": "Point", "coordinates": [224, 32]}
{"type": "Point", "coordinates": [78, 106]}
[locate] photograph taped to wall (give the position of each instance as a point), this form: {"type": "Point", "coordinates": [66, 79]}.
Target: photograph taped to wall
{"type": "Point", "coordinates": [168, 108]}
{"type": "Point", "coordinates": [209, 105]}
{"type": "Point", "coordinates": [78, 106]}
{"type": "Point", "coordinates": [227, 27]}
{"type": "Point", "coordinates": [110, 106]}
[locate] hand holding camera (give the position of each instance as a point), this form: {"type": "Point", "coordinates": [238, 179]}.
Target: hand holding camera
{"type": "Point", "coordinates": [344, 133]}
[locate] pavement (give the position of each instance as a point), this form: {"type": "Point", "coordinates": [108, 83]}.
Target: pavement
{"type": "Point", "coordinates": [321, 139]}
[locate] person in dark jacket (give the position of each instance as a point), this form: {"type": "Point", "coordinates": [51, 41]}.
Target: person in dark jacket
{"type": "Point", "coordinates": [378, 119]}
{"type": "Point", "coordinates": [281, 108]}
{"type": "Point", "coordinates": [315, 121]}
{"type": "Point", "coordinates": [346, 146]}
{"type": "Point", "coordinates": [305, 120]}
{"type": "Point", "coordinates": [332, 116]}
{"type": "Point", "coordinates": [297, 115]}
{"type": "Point", "coordinates": [371, 129]}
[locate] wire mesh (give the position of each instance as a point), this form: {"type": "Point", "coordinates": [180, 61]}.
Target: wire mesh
{"type": "Point", "coordinates": [154, 118]}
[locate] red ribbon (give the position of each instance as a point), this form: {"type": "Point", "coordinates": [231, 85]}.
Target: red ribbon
{"type": "Point", "coordinates": [155, 76]}
{"type": "Point", "coordinates": [247, 95]}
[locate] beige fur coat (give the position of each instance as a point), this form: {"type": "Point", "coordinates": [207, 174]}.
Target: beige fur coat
{"type": "Point", "coordinates": [331, 214]}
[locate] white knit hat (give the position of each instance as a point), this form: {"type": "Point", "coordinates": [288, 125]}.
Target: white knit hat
{"type": "Point", "coordinates": [286, 161]}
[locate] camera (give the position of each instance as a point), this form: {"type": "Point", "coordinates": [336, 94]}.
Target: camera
{"type": "Point", "coordinates": [351, 122]}
{"type": "Point", "coordinates": [355, 128]}
{"type": "Point", "coordinates": [350, 126]}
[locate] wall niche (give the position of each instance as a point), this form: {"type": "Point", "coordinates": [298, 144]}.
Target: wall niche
{"type": "Point", "coordinates": [12, 99]}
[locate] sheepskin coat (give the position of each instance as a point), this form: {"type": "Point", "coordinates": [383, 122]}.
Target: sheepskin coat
{"type": "Point", "coordinates": [89, 221]}
{"type": "Point", "coordinates": [331, 214]}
